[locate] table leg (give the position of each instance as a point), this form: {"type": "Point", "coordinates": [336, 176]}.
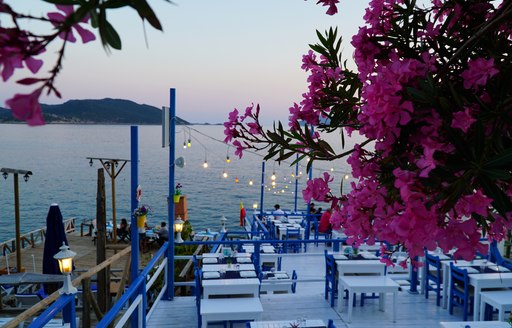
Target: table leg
{"type": "Point", "coordinates": [394, 306]}
{"type": "Point", "coordinates": [482, 306]}
{"type": "Point", "coordinates": [382, 301]}
{"type": "Point", "coordinates": [476, 314]}
{"type": "Point", "coordinates": [446, 285]}
{"type": "Point", "coordinates": [350, 303]}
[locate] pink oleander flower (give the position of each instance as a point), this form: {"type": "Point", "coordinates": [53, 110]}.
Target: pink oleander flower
{"type": "Point", "coordinates": [463, 120]}
{"type": "Point", "coordinates": [27, 108]}
{"type": "Point", "coordinates": [13, 46]}
{"type": "Point", "coordinates": [317, 189]}
{"type": "Point", "coordinates": [332, 6]}
{"type": "Point", "coordinates": [478, 72]}
{"type": "Point", "coordinates": [58, 18]}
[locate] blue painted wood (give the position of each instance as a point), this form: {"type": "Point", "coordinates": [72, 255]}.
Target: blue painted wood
{"type": "Point", "coordinates": [134, 164]}
{"type": "Point", "coordinates": [66, 304]}
{"type": "Point", "coordinates": [169, 294]}
{"type": "Point", "coordinates": [262, 192]}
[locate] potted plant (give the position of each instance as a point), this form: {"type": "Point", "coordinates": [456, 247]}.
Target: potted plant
{"type": "Point", "coordinates": [177, 193]}
{"type": "Point", "coordinates": [141, 213]}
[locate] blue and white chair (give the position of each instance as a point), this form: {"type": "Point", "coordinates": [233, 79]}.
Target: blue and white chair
{"type": "Point", "coordinates": [460, 293]}
{"type": "Point", "coordinates": [433, 274]}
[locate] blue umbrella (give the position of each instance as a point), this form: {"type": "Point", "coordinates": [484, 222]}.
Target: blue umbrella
{"type": "Point", "coordinates": [55, 236]}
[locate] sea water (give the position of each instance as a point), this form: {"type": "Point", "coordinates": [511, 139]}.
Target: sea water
{"type": "Point", "coordinates": [57, 156]}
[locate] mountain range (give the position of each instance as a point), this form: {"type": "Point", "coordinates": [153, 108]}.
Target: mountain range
{"type": "Point", "coordinates": [97, 111]}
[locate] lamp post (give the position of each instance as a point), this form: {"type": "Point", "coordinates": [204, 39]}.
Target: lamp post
{"type": "Point", "coordinates": [110, 165]}
{"type": "Point", "coordinates": [178, 228]}
{"type": "Point", "coordinates": [65, 258]}
{"type": "Point", "coordinates": [26, 174]}
{"type": "Point", "coordinates": [223, 224]}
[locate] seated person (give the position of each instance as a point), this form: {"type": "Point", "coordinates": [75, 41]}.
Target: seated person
{"type": "Point", "coordinates": [312, 209]}
{"type": "Point", "coordinates": [163, 233]}
{"type": "Point", "coordinates": [277, 210]}
{"type": "Point", "coordinates": [122, 231]}
{"type": "Point", "coordinates": [325, 224]}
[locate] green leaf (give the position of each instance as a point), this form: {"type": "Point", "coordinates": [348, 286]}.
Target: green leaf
{"type": "Point", "coordinates": [503, 159]}
{"type": "Point", "coordinates": [145, 12]}
{"type": "Point", "coordinates": [111, 36]}
{"type": "Point", "coordinates": [63, 2]}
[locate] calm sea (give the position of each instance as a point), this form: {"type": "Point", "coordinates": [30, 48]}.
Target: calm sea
{"type": "Point", "coordinates": [56, 154]}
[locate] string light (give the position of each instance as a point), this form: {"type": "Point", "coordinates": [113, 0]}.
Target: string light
{"type": "Point", "coordinates": [224, 174]}
{"type": "Point", "coordinates": [205, 164]}
{"type": "Point", "coordinates": [273, 177]}
{"type": "Point", "coordinates": [228, 160]}
{"type": "Point", "coordinates": [273, 184]}
{"type": "Point", "coordinates": [236, 180]}
{"type": "Point", "coordinates": [332, 169]}
{"type": "Point", "coordinates": [250, 182]}
{"type": "Point", "coordinates": [255, 205]}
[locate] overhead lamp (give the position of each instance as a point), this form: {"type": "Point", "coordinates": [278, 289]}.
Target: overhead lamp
{"type": "Point", "coordinates": [332, 169]}
{"type": "Point", "coordinates": [25, 177]}
{"type": "Point", "coordinates": [189, 143]}
{"type": "Point", "coordinates": [255, 205]}
{"type": "Point", "coordinates": [273, 177]}
{"type": "Point", "coordinates": [178, 228]}
{"type": "Point", "coordinates": [107, 164]}
{"type": "Point", "coordinates": [116, 163]}
{"type": "Point", "coordinates": [224, 174]}
{"type": "Point", "coordinates": [184, 145]}
{"type": "Point", "coordinates": [65, 259]}
{"type": "Point", "coordinates": [5, 175]}
{"type": "Point", "coordinates": [205, 164]}
{"type": "Point", "coordinates": [273, 183]}
{"type": "Point", "coordinates": [228, 160]}
{"type": "Point", "coordinates": [90, 162]}
{"type": "Point", "coordinates": [251, 182]}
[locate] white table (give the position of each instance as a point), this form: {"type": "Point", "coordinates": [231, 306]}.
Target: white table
{"type": "Point", "coordinates": [498, 299]}
{"type": "Point", "coordinates": [221, 309]}
{"type": "Point", "coordinates": [358, 266]}
{"type": "Point", "coordinates": [479, 324]}
{"type": "Point", "coordinates": [282, 230]}
{"type": "Point", "coordinates": [487, 280]}
{"type": "Point", "coordinates": [227, 267]}
{"type": "Point", "coordinates": [217, 255]}
{"type": "Point", "coordinates": [231, 287]}
{"type": "Point", "coordinates": [316, 323]}
{"type": "Point", "coordinates": [280, 284]}
{"type": "Point", "coordinates": [369, 284]}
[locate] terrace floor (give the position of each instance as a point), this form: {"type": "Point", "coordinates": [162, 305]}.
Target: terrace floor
{"type": "Point", "coordinates": [413, 310]}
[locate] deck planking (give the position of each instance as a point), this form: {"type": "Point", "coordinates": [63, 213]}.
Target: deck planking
{"type": "Point", "coordinates": [413, 310]}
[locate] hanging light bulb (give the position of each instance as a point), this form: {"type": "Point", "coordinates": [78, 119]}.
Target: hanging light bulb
{"type": "Point", "coordinates": [250, 182]}
{"type": "Point", "coordinates": [189, 143]}
{"type": "Point", "coordinates": [184, 145]}
{"type": "Point", "coordinates": [273, 177]}
{"type": "Point", "coordinates": [205, 164]}
{"type": "Point", "coordinates": [236, 180]}
{"type": "Point", "coordinates": [228, 160]}
{"type": "Point", "coordinates": [332, 169]}
{"type": "Point", "coordinates": [224, 174]}
{"type": "Point", "coordinates": [273, 184]}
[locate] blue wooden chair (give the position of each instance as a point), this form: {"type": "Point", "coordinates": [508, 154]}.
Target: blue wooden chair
{"type": "Point", "coordinates": [197, 293]}
{"type": "Point", "coordinates": [294, 245]}
{"type": "Point", "coordinates": [494, 254]}
{"type": "Point", "coordinates": [460, 294]}
{"type": "Point", "coordinates": [331, 283]}
{"type": "Point", "coordinates": [318, 234]}
{"type": "Point", "coordinates": [330, 324]}
{"type": "Point", "coordinates": [294, 283]}
{"type": "Point", "coordinates": [433, 274]}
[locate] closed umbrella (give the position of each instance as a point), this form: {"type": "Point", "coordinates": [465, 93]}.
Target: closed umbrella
{"type": "Point", "coordinates": [55, 236]}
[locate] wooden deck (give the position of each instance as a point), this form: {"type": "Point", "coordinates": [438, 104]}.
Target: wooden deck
{"type": "Point", "coordinates": [413, 310]}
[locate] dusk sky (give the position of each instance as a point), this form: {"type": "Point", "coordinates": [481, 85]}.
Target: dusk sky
{"type": "Point", "coordinates": [218, 54]}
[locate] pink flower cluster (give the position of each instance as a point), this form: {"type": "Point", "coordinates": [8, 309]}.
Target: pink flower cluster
{"type": "Point", "coordinates": [18, 47]}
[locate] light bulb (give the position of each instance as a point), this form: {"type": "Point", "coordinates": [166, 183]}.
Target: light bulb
{"type": "Point", "coordinates": [273, 183]}
{"type": "Point", "coordinates": [236, 180]}
{"type": "Point", "coordinates": [189, 143]}
{"type": "Point", "coordinates": [228, 160]}
{"type": "Point", "coordinates": [332, 169]}
{"type": "Point", "coordinates": [273, 177]}
{"type": "Point", "coordinates": [184, 145]}
{"type": "Point", "coordinates": [225, 174]}
{"type": "Point", "coordinates": [205, 164]}
{"type": "Point", "coordinates": [250, 182]}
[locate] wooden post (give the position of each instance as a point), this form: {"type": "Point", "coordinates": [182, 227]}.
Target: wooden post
{"type": "Point", "coordinates": [101, 223]}
{"type": "Point", "coordinates": [86, 307]}
{"type": "Point", "coordinates": [17, 218]}
{"type": "Point", "coordinates": [114, 224]}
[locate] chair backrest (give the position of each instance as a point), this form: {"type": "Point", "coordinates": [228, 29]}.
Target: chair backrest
{"type": "Point", "coordinates": [330, 324]}
{"type": "Point", "coordinates": [292, 233]}
{"type": "Point", "coordinates": [27, 300]}
{"type": "Point", "coordinates": [197, 274]}
{"type": "Point", "coordinates": [494, 253]}
{"type": "Point", "coordinates": [330, 269]}
{"type": "Point", "coordinates": [294, 283]}
{"type": "Point", "coordinates": [434, 261]}
{"type": "Point", "coordinates": [459, 280]}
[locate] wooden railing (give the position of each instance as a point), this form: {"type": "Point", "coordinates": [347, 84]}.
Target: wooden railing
{"type": "Point", "coordinates": [32, 238]}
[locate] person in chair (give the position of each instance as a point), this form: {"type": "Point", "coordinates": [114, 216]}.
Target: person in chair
{"type": "Point", "coordinates": [123, 231]}
{"type": "Point", "coordinates": [163, 233]}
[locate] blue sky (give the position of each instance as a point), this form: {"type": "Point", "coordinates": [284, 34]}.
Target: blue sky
{"type": "Point", "coordinates": [218, 54]}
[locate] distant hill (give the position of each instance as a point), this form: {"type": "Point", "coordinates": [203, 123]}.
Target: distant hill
{"type": "Point", "coordinates": [97, 111]}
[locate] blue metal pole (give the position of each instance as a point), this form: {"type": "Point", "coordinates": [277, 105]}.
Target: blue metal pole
{"type": "Point", "coordinates": [169, 294]}
{"type": "Point", "coordinates": [262, 188]}
{"type": "Point", "coordinates": [414, 280]}
{"type": "Point", "coordinates": [134, 162]}
{"type": "Point", "coordinates": [296, 183]}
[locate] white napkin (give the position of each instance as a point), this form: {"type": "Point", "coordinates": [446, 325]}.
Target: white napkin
{"type": "Point", "coordinates": [471, 270]}
{"type": "Point", "coordinates": [498, 268]}
{"type": "Point", "coordinates": [248, 274]}
{"type": "Point", "coordinates": [210, 260]}
{"type": "Point", "coordinates": [211, 275]}
{"type": "Point", "coordinates": [281, 275]}
{"type": "Point", "coordinates": [368, 256]}
{"type": "Point", "coordinates": [243, 260]}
